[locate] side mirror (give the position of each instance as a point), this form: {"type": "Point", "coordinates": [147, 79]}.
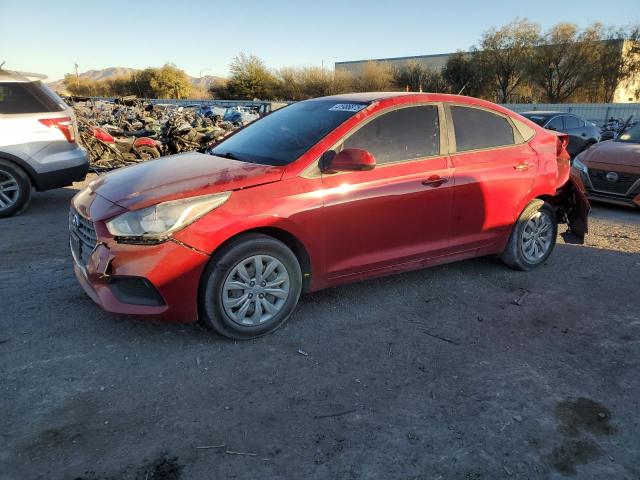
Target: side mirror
{"type": "Point", "coordinates": [348, 160]}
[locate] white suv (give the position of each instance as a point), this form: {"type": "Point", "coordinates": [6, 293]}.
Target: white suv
{"type": "Point", "coordinates": [38, 146]}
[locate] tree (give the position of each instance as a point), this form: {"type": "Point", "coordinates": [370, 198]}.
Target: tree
{"type": "Point", "coordinates": [505, 54]}
{"type": "Point", "coordinates": [616, 61]}
{"type": "Point", "coordinates": [373, 77]}
{"type": "Point", "coordinates": [464, 75]}
{"type": "Point", "coordinates": [411, 76]}
{"type": "Point", "coordinates": [562, 62]}
{"type": "Point", "coordinates": [170, 82]}
{"type": "Point", "coordinates": [249, 78]}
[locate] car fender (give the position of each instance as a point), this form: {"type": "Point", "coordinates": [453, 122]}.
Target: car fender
{"type": "Point", "coordinates": [145, 141]}
{"type": "Point", "coordinates": [201, 237]}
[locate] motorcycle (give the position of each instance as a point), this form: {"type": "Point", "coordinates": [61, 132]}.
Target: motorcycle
{"type": "Point", "coordinates": [107, 151]}
{"type": "Point", "coordinates": [182, 137]}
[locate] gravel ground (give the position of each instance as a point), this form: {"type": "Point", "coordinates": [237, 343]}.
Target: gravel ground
{"type": "Point", "coordinates": [465, 371]}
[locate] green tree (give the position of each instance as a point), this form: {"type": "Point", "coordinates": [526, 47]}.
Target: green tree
{"type": "Point", "coordinates": [411, 76]}
{"type": "Point", "coordinates": [170, 82]}
{"type": "Point", "coordinates": [249, 78]}
{"type": "Point", "coordinates": [463, 74]}
{"type": "Point", "coordinates": [505, 55]}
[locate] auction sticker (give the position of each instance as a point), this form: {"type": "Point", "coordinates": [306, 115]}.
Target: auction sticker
{"type": "Point", "coordinates": [347, 107]}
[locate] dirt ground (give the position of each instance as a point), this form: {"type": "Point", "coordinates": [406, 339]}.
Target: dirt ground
{"type": "Point", "coordinates": [465, 371]}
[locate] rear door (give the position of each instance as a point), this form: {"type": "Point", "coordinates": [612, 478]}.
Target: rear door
{"type": "Point", "coordinates": [494, 169]}
{"type": "Point", "coordinates": [400, 211]}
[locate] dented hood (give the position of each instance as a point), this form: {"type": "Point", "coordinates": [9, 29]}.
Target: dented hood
{"type": "Point", "coordinates": [612, 153]}
{"type": "Point", "coordinates": [180, 176]}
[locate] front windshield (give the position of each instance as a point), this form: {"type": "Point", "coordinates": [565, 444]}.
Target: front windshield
{"type": "Point", "coordinates": [282, 137]}
{"type": "Point", "coordinates": [630, 136]}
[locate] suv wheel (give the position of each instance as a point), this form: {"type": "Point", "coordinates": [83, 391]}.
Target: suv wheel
{"type": "Point", "coordinates": [250, 287]}
{"type": "Point", "coordinates": [15, 189]}
{"type": "Point", "coordinates": [533, 237]}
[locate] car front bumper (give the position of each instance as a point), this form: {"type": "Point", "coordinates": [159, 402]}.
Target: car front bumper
{"type": "Point", "coordinates": [155, 282]}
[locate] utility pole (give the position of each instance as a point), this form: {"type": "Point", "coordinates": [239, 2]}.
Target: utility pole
{"type": "Point", "coordinates": [77, 76]}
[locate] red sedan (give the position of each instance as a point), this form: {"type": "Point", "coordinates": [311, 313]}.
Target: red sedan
{"type": "Point", "coordinates": [319, 193]}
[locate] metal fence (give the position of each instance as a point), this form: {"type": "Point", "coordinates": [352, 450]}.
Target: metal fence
{"type": "Point", "coordinates": [597, 113]}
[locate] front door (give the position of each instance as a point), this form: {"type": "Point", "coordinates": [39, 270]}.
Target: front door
{"type": "Point", "coordinates": [399, 212]}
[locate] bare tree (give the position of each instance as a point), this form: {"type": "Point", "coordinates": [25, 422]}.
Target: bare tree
{"type": "Point", "coordinates": [374, 77]}
{"type": "Point", "coordinates": [505, 54]}
{"type": "Point", "coordinates": [562, 62]}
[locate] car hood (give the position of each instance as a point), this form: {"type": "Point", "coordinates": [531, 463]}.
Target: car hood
{"type": "Point", "coordinates": [180, 176]}
{"type": "Point", "coordinates": [612, 153]}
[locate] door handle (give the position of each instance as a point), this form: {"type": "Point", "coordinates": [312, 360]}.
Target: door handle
{"type": "Point", "coordinates": [434, 181]}
{"type": "Point", "coordinates": [523, 166]}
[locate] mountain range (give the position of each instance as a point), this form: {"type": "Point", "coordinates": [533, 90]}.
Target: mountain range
{"type": "Point", "coordinates": [111, 72]}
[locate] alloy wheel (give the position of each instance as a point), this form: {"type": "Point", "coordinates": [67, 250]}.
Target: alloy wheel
{"type": "Point", "coordinates": [255, 290]}
{"type": "Point", "coordinates": [9, 190]}
{"type": "Point", "coordinates": [537, 236]}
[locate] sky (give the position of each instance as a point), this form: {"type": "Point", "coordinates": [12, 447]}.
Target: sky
{"type": "Point", "coordinates": [202, 37]}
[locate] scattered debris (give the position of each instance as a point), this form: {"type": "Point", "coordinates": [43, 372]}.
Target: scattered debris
{"type": "Point", "coordinates": [206, 447]}
{"type": "Point", "coordinates": [248, 454]}
{"type": "Point", "coordinates": [444, 339]}
{"type": "Point", "coordinates": [302, 352]}
{"type": "Point", "coordinates": [517, 418]}
{"type": "Point", "coordinates": [520, 299]}
{"type": "Point", "coordinates": [338, 414]}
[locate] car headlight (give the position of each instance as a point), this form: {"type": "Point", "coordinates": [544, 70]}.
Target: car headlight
{"type": "Point", "coordinates": [578, 165]}
{"type": "Point", "coordinates": [155, 224]}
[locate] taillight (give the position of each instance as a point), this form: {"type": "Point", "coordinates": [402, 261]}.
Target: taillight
{"type": "Point", "coordinates": [64, 124]}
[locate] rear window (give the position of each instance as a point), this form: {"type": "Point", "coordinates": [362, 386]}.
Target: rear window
{"type": "Point", "coordinates": [538, 119]}
{"type": "Point", "coordinates": [476, 129]}
{"type": "Point", "coordinates": [571, 122]}
{"type": "Point", "coordinates": [27, 97]}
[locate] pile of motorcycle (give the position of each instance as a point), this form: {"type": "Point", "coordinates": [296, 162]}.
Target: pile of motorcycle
{"type": "Point", "coordinates": [117, 135]}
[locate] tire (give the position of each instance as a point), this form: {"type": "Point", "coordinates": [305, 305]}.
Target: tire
{"type": "Point", "coordinates": [533, 237]}
{"type": "Point", "coordinates": [146, 152]}
{"type": "Point", "coordinates": [15, 189]}
{"type": "Point", "coordinates": [223, 277]}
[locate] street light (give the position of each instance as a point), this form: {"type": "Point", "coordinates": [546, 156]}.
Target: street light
{"type": "Point", "coordinates": [328, 58]}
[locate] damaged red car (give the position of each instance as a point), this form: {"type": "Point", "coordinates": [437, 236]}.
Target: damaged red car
{"type": "Point", "coordinates": [322, 192]}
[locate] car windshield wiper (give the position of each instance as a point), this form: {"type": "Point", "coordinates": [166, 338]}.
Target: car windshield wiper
{"type": "Point", "coordinates": [228, 155]}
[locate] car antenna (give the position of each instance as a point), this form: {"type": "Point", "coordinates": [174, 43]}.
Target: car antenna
{"type": "Point", "coordinates": [2, 64]}
{"type": "Point", "coordinates": [462, 89]}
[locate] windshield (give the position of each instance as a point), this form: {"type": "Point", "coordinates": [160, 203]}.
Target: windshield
{"type": "Point", "coordinates": [539, 119]}
{"type": "Point", "coordinates": [630, 136]}
{"type": "Point", "coordinates": [282, 137]}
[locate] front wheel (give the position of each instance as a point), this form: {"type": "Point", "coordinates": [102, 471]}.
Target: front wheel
{"type": "Point", "coordinates": [250, 288]}
{"type": "Point", "coordinates": [533, 237]}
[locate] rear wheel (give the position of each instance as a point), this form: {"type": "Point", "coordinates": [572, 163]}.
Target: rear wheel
{"type": "Point", "coordinates": [148, 153]}
{"type": "Point", "coordinates": [250, 288]}
{"type": "Point", "coordinates": [533, 237]}
{"type": "Point", "coordinates": [15, 189]}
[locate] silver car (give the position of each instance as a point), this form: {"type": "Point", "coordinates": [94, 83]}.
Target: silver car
{"type": "Point", "coordinates": [38, 147]}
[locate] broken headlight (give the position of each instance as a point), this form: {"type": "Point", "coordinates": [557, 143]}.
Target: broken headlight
{"type": "Point", "coordinates": [578, 165]}
{"type": "Point", "coordinates": [154, 224]}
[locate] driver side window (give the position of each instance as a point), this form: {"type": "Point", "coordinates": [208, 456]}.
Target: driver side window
{"type": "Point", "coordinates": [402, 134]}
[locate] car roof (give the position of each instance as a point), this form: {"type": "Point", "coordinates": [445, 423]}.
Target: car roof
{"type": "Point", "coordinates": [13, 76]}
{"type": "Point", "coordinates": [363, 96]}
{"type": "Point", "coordinates": [546, 113]}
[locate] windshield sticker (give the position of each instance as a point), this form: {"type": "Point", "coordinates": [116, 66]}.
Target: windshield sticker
{"type": "Point", "coordinates": [347, 107]}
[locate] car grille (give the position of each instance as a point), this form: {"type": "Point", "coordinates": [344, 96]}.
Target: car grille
{"type": "Point", "coordinates": [621, 186]}
{"type": "Point", "coordinates": [83, 237]}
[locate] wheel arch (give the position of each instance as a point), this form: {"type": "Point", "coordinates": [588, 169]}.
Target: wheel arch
{"type": "Point", "coordinates": [24, 166]}
{"type": "Point", "coordinates": [286, 237]}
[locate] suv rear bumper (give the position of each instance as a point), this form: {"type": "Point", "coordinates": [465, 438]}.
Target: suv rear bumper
{"type": "Point", "coordinates": [73, 167]}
